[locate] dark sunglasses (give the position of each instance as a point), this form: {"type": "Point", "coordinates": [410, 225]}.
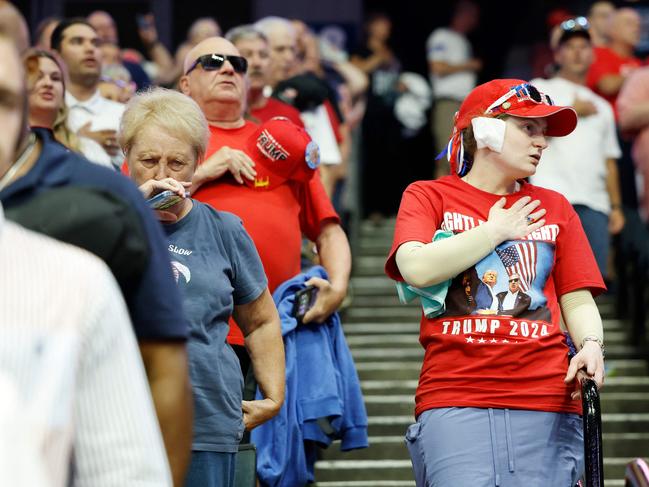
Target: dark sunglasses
{"type": "Point", "coordinates": [524, 91]}
{"type": "Point", "coordinates": [212, 62]}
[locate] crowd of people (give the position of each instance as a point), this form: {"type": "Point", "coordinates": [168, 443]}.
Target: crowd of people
{"type": "Point", "coordinates": [210, 182]}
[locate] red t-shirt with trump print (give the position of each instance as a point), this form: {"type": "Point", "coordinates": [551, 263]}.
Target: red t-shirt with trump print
{"type": "Point", "coordinates": [498, 343]}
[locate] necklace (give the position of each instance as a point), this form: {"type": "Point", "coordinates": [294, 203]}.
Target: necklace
{"type": "Point", "coordinates": [20, 162]}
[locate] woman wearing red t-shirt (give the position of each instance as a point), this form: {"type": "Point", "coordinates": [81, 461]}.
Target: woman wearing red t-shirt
{"type": "Point", "coordinates": [497, 401]}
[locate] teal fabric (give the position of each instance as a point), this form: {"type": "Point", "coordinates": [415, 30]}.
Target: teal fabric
{"type": "Point", "coordinates": [432, 297]}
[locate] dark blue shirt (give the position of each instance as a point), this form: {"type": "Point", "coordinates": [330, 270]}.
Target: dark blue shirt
{"type": "Point", "coordinates": [153, 300]}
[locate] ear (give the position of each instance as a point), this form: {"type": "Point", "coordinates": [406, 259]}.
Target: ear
{"type": "Point", "coordinates": [183, 83]}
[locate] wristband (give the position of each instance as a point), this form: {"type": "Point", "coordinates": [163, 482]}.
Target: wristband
{"type": "Point", "coordinates": [592, 338]}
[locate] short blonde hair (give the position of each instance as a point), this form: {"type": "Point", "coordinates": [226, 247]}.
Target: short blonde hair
{"type": "Point", "coordinates": [170, 111]}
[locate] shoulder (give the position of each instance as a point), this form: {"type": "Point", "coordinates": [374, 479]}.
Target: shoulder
{"type": "Point", "coordinates": [433, 187]}
{"type": "Point", "coordinates": [545, 193]}
{"type": "Point", "coordinates": [549, 198]}
{"type": "Point", "coordinates": [440, 34]}
{"type": "Point", "coordinates": [225, 221]}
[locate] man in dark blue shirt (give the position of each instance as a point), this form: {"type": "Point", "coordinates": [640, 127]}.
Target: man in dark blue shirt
{"type": "Point", "coordinates": [151, 295]}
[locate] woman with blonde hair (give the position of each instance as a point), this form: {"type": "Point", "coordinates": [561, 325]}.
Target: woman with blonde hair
{"type": "Point", "coordinates": [46, 103]}
{"type": "Point", "coordinates": [164, 136]}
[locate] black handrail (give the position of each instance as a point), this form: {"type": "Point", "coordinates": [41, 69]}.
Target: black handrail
{"type": "Point", "coordinates": [592, 418]}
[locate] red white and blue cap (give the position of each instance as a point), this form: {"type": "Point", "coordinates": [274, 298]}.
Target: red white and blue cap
{"type": "Point", "coordinates": [514, 97]}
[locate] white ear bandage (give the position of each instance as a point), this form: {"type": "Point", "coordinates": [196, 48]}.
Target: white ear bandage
{"type": "Point", "coordinates": [489, 132]}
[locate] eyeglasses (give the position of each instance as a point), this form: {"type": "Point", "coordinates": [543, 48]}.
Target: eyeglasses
{"type": "Point", "coordinates": [212, 62]}
{"type": "Point", "coordinates": [514, 280]}
{"type": "Point", "coordinates": [523, 92]}
{"type": "Point", "coordinates": [578, 23]}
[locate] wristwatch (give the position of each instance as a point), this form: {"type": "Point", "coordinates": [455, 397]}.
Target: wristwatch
{"type": "Point", "coordinates": [593, 338]}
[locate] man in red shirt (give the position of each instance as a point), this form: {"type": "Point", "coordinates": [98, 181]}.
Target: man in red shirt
{"type": "Point", "coordinates": [253, 45]}
{"type": "Point", "coordinates": [275, 218]}
{"type": "Point", "coordinates": [614, 63]}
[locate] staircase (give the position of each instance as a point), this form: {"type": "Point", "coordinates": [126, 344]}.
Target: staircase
{"type": "Point", "coordinates": [383, 336]}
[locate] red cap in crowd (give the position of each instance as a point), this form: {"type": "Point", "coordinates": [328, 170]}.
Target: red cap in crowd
{"type": "Point", "coordinates": [282, 151]}
{"type": "Point", "coordinates": [513, 97]}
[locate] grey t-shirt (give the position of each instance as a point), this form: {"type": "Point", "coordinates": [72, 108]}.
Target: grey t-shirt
{"type": "Point", "coordinates": [216, 267]}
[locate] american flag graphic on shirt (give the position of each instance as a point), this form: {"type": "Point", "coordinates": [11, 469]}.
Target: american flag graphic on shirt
{"type": "Point", "coordinates": [520, 258]}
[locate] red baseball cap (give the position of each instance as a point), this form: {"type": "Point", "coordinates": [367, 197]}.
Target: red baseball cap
{"type": "Point", "coordinates": [513, 97]}
{"type": "Point", "coordinates": [282, 151]}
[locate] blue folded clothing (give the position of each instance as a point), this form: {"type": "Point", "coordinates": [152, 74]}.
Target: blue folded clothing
{"type": "Point", "coordinates": [432, 297]}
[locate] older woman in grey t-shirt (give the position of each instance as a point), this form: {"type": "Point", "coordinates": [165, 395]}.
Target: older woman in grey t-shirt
{"type": "Point", "coordinates": [164, 136]}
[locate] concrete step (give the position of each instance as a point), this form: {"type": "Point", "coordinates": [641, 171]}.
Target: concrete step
{"type": "Point", "coordinates": [382, 314]}
{"type": "Point", "coordinates": [364, 328]}
{"type": "Point", "coordinates": [391, 370]}
{"type": "Point", "coordinates": [368, 286]}
{"type": "Point", "coordinates": [392, 340]}
{"type": "Point", "coordinates": [365, 470]}
{"type": "Point", "coordinates": [367, 483]}
{"type": "Point", "coordinates": [380, 247]}
{"type": "Point", "coordinates": [403, 404]}
{"type": "Point", "coordinates": [393, 448]}
{"type": "Point", "coordinates": [372, 354]}
{"type": "Point", "coordinates": [386, 387]}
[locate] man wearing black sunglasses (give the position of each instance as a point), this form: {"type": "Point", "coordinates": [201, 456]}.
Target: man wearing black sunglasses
{"type": "Point", "coordinates": [289, 209]}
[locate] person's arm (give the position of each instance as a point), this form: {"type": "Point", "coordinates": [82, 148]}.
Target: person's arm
{"type": "Point", "coordinates": [168, 374]}
{"type": "Point", "coordinates": [356, 79]}
{"type": "Point", "coordinates": [225, 159]}
{"type": "Point", "coordinates": [441, 68]}
{"type": "Point", "coordinates": [584, 108]}
{"type": "Point", "coordinates": [635, 116]}
{"type": "Point", "coordinates": [610, 84]}
{"type": "Point", "coordinates": [260, 325]}
{"type": "Point", "coordinates": [370, 63]}
{"type": "Point", "coordinates": [581, 316]}
{"type": "Point", "coordinates": [422, 265]}
{"type": "Point", "coordinates": [117, 438]}
{"type": "Point", "coordinates": [616, 217]}
{"type": "Point", "coordinates": [335, 257]}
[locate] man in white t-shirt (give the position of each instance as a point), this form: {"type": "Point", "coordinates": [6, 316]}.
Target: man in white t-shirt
{"type": "Point", "coordinates": [90, 114]}
{"type": "Point", "coordinates": [583, 165]}
{"type": "Point", "coordinates": [452, 69]}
